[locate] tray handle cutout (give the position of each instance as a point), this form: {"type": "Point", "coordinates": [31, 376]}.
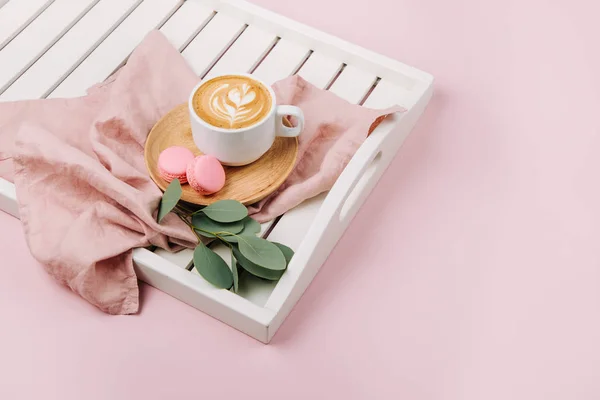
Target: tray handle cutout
{"type": "Point", "coordinates": [361, 174]}
{"type": "Point", "coordinates": [351, 203]}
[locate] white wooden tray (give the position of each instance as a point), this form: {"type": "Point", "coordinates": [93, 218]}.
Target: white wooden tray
{"type": "Point", "coordinates": [58, 48]}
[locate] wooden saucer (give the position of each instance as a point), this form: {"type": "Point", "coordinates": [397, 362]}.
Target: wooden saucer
{"type": "Point", "coordinates": [246, 184]}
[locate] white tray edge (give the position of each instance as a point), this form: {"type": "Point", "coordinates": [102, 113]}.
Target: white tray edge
{"type": "Point", "coordinates": [258, 322]}
{"type": "Point", "coordinates": [329, 226]}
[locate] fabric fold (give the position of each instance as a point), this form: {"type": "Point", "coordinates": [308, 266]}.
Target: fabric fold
{"type": "Point", "coordinates": [334, 130]}
{"type": "Point", "coordinates": [85, 197]}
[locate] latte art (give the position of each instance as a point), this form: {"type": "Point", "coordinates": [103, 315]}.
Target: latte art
{"type": "Point", "coordinates": [232, 102]}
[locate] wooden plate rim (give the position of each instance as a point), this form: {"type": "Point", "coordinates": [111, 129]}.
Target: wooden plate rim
{"type": "Point", "coordinates": [199, 199]}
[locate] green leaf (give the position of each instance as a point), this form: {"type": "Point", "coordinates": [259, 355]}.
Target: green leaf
{"type": "Point", "coordinates": [287, 252]}
{"type": "Point", "coordinates": [234, 270]}
{"type": "Point", "coordinates": [201, 221]}
{"type": "Point", "coordinates": [169, 199]}
{"type": "Point", "coordinates": [226, 211]}
{"type": "Point", "coordinates": [254, 269]}
{"type": "Point", "coordinates": [251, 227]}
{"type": "Point", "coordinates": [262, 252]}
{"type": "Point", "coordinates": [212, 267]}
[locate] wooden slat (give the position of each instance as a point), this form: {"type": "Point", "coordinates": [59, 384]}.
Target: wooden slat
{"type": "Point", "coordinates": [56, 64]}
{"type": "Point", "coordinates": [282, 61]}
{"type": "Point", "coordinates": [182, 258]}
{"type": "Point", "coordinates": [320, 70]}
{"type": "Point", "coordinates": [245, 52]}
{"type": "Point", "coordinates": [8, 196]}
{"type": "Point", "coordinates": [113, 51]}
{"type": "Point", "coordinates": [353, 84]}
{"type": "Point", "coordinates": [185, 24]}
{"type": "Point", "coordinates": [254, 289]}
{"type": "Point", "coordinates": [293, 225]}
{"type": "Point", "coordinates": [38, 37]}
{"type": "Point", "coordinates": [14, 17]}
{"type": "Point", "coordinates": [212, 42]}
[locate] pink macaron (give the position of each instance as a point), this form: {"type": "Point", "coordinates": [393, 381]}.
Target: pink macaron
{"type": "Point", "coordinates": [206, 175]}
{"type": "Point", "coordinates": [173, 162]}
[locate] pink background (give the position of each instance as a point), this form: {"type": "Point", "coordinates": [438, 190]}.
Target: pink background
{"type": "Point", "coordinates": [472, 272]}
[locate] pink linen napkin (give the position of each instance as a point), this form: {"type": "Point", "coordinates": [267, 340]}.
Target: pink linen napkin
{"type": "Point", "coordinates": [85, 197]}
{"type": "Point", "coordinates": [334, 130]}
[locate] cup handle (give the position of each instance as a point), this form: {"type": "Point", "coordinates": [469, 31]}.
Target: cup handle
{"type": "Point", "coordinates": [288, 131]}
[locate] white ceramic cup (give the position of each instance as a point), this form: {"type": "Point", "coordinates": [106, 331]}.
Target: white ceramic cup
{"type": "Point", "coordinates": [235, 147]}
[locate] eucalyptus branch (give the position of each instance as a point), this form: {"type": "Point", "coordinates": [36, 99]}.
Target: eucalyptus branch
{"type": "Point", "coordinates": [189, 224]}
{"type": "Point", "coordinates": [229, 223]}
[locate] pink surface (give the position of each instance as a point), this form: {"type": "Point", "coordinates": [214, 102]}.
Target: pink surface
{"type": "Point", "coordinates": [491, 289]}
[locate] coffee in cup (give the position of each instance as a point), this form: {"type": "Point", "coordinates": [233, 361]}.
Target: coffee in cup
{"type": "Point", "coordinates": [232, 102]}
{"type": "Point", "coordinates": [235, 117]}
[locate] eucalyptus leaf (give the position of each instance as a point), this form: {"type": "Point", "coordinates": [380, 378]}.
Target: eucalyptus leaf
{"type": "Point", "coordinates": [234, 270]}
{"type": "Point", "coordinates": [226, 211]}
{"type": "Point", "coordinates": [212, 267]}
{"type": "Point", "coordinates": [251, 227]}
{"type": "Point", "coordinates": [262, 252]}
{"type": "Point", "coordinates": [254, 269]}
{"type": "Point", "coordinates": [169, 199]}
{"type": "Point", "coordinates": [287, 252]}
{"type": "Point", "coordinates": [203, 223]}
